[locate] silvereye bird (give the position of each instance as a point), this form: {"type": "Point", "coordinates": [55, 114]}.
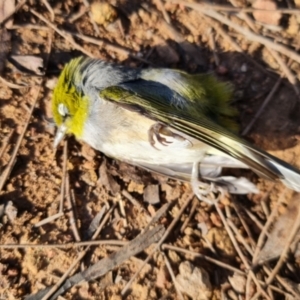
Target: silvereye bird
{"type": "Point", "coordinates": [163, 120]}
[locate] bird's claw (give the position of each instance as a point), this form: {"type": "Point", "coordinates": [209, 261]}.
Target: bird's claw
{"type": "Point", "coordinates": [207, 192]}
{"type": "Point", "coordinates": [161, 132]}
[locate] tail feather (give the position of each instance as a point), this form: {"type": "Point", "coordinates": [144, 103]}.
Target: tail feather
{"type": "Point", "coordinates": [290, 177]}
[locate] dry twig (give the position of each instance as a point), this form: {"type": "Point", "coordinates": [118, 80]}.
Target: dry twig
{"type": "Point", "coordinates": [244, 31]}
{"type": "Point", "coordinates": [172, 276]}
{"type": "Point", "coordinates": [5, 174]}
{"type": "Point", "coordinates": [62, 33]}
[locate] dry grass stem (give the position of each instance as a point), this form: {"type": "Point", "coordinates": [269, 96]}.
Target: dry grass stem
{"type": "Point", "coordinates": [244, 31]}
{"type": "Point", "coordinates": [180, 296]}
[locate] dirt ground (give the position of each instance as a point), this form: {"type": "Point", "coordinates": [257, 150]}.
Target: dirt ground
{"type": "Point", "coordinates": [140, 34]}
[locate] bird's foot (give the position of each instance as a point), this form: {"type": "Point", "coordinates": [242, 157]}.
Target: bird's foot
{"type": "Point", "coordinates": [210, 193]}
{"type": "Point", "coordinates": [155, 131]}
{"type": "Point", "coordinates": [163, 135]}
{"type": "Point", "coordinates": [207, 192]}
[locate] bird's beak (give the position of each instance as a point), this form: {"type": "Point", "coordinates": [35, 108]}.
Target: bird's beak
{"type": "Point", "coordinates": [60, 134]}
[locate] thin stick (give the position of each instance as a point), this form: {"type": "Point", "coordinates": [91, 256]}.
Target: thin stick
{"type": "Point", "coordinates": [236, 46]}
{"type": "Point", "coordinates": [129, 197]}
{"type": "Point", "coordinates": [239, 9]}
{"type": "Point", "coordinates": [12, 85]}
{"type": "Point", "coordinates": [49, 219]}
{"type": "Point", "coordinates": [109, 46]}
{"type": "Point", "coordinates": [18, 6]}
{"type": "Point", "coordinates": [248, 287]}
{"type": "Point", "coordinates": [243, 222]}
{"type": "Point", "coordinates": [173, 276]}
{"type": "Point", "coordinates": [204, 257]}
{"type": "Point", "coordinates": [283, 282]}
{"type": "Point", "coordinates": [48, 6]}
{"type": "Point", "coordinates": [164, 12]}
{"type": "Point", "coordinates": [71, 211]}
{"type": "Point", "coordinates": [241, 238]}
{"type": "Point", "coordinates": [5, 143]}
{"type": "Point", "coordinates": [65, 246]}
{"type": "Point", "coordinates": [159, 214]}
{"type": "Point", "coordinates": [5, 174]}
{"type": "Point", "coordinates": [64, 174]}
{"type": "Point", "coordinates": [213, 47]}
{"type": "Point", "coordinates": [247, 33]}
{"type": "Point", "coordinates": [29, 26]}
{"type": "Point", "coordinates": [286, 248]}
{"type": "Point", "coordinates": [62, 33]}
{"type": "Point", "coordinates": [254, 218]}
{"type": "Point", "coordinates": [62, 191]}
{"type": "Point", "coordinates": [264, 232]}
{"type": "Point", "coordinates": [187, 220]}
{"type": "Point", "coordinates": [277, 57]}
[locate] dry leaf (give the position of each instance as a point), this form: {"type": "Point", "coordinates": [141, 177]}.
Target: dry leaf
{"type": "Point", "coordinates": [28, 63]}
{"type": "Point", "coordinates": [280, 233]}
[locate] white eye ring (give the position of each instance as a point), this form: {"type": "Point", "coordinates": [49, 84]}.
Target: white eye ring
{"type": "Point", "coordinates": [62, 110]}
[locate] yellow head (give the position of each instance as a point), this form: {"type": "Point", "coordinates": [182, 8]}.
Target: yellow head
{"type": "Point", "coordinates": [69, 104]}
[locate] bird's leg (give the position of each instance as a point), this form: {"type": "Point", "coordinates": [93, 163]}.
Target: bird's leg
{"type": "Point", "coordinates": [155, 131]}
{"type": "Point", "coordinates": [204, 191]}
{"type": "Point", "coordinates": [161, 132]}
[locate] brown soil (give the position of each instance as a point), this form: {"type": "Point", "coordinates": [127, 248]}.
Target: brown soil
{"type": "Point", "coordinates": [34, 184]}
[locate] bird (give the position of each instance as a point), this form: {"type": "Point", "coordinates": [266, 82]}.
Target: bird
{"type": "Point", "coordinates": [163, 120]}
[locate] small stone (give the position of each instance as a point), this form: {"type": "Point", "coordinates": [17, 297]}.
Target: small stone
{"type": "Point", "coordinates": [151, 194]}
{"type": "Point", "coordinates": [107, 179]}
{"type": "Point", "coordinates": [194, 281]}
{"type": "Point", "coordinates": [90, 177]}
{"type": "Point", "coordinates": [11, 211]}
{"type": "Point", "coordinates": [271, 18]}
{"type": "Point", "coordinates": [87, 152]}
{"type": "Point", "coordinates": [219, 238]}
{"type": "Point", "coordinates": [103, 13]}
{"type": "Point", "coordinates": [135, 187]}
{"type": "Point", "coordinates": [174, 257]}
{"type": "Point", "coordinates": [203, 227]}
{"type": "Point", "coordinates": [222, 70]}
{"type": "Point", "coordinates": [238, 283]}
{"type": "Point", "coordinates": [188, 240]}
{"type": "Point", "coordinates": [188, 231]}
{"type": "Point", "coordinates": [244, 68]}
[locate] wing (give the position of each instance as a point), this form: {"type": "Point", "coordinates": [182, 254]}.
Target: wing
{"type": "Point", "coordinates": [158, 102]}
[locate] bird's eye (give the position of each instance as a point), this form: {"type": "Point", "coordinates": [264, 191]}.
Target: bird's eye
{"type": "Point", "coordinates": [62, 109]}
